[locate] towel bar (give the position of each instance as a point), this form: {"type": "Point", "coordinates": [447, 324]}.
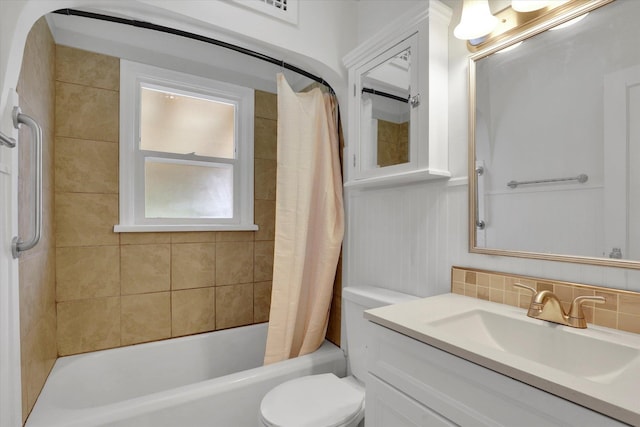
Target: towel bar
{"type": "Point", "coordinates": [582, 178]}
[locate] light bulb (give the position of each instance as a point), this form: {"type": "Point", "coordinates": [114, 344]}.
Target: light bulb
{"type": "Point", "coordinates": [476, 20]}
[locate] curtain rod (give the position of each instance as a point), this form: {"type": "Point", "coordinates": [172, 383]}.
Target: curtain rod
{"type": "Point", "coordinates": [385, 94]}
{"type": "Point", "coordinates": [193, 36]}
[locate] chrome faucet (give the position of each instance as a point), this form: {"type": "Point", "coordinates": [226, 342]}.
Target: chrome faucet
{"type": "Point", "coordinates": [545, 305]}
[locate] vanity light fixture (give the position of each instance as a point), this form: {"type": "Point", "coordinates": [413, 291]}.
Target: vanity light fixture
{"type": "Point", "coordinates": [483, 30]}
{"type": "Point", "coordinates": [476, 20]}
{"type": "Point", "coordinates": [528, 5]}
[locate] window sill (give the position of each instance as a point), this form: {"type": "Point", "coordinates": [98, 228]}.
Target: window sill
{"type": "Point", "coordinates": [154, 228]}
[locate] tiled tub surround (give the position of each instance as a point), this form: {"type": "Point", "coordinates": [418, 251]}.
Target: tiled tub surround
{"type": "Point", "coordinates": [621, 310]}
{"type": "Point", "coordinates": [120, 289]}
{"type": "Point", "coordinates": [36, 88]}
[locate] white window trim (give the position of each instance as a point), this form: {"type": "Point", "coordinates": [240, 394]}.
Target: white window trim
{"type": "Point", "coordinates": [132, 75]}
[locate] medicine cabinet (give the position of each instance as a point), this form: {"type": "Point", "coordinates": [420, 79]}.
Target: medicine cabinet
{"type": "Point", "coordinates": [398, 102]}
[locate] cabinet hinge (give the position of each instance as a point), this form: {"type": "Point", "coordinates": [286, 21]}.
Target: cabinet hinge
{"type": "Point", "coordinates": [354, 160]}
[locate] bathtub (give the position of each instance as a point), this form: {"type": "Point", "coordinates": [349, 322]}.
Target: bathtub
{"type": "Point", "coordinates": [214, 379]}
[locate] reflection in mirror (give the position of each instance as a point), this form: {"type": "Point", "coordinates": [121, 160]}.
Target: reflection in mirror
{"type": "Point", "coordinates": [385, 111]}
{"type": "Point", "coordinates": [558, 137]}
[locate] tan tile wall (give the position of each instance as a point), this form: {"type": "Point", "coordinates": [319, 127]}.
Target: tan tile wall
{"type": "Point", "coordinates": [37, 267]}
{"type": "Point", "coordinates": [620, 311]}
{"type": "Point", "coordinates": [333, 328]}
{"type": "Point", "coordinates": [393, 143]}
{"type": "Point", "coordinates": [120, 289]}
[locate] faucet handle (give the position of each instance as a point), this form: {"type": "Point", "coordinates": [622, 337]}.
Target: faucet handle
{"type": "Point", "coordinates": [525, 287]}
{"type": "Point", "coordinates": [576, 306]}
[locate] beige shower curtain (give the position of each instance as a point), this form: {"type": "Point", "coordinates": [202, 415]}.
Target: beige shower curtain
{"type": "Point", "coordinates": [309, 222]}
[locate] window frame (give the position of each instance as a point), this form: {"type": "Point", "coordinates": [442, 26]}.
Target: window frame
{"type": "Point", "coordinates": [134, 76]}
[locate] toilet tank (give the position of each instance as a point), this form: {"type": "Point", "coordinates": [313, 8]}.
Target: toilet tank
{"type": "Point", "coordinates": [356, 300]}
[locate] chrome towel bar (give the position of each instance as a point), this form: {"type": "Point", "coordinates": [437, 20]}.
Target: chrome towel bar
{"type": "Point", "coordinates": [582, 178]}
{"type": "Point", "coordinates": [18, 245]}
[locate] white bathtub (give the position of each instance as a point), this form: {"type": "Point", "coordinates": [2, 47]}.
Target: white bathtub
{"type": "Point", "coordinates": [214, 379]}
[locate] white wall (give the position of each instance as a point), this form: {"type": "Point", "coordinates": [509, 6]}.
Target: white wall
{"type": "Point", "coordinates": [407, 238]}
{"type": "Point", "coordinates": [324, 33]}
{"type": "Point", "coordinates": [375, 14]}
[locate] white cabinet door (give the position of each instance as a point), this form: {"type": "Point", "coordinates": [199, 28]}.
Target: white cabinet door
{"type": "Point", "coordinates": [388, 407]}
{"type": "Point", "coordinates": [457, 391]}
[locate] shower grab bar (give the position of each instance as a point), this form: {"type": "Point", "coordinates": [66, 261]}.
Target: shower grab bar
{"type": "Point", "coordinates": [18, 245]}
{"type": "Point", "coordinates": [7, 141]}
{"type": "Point", "coordinates": [480, 224]}
{"type": "Point", "coordinates": [582, 178]}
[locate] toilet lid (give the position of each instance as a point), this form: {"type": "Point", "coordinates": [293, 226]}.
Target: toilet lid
{"type": "Point", "coordinates": [312, 401]}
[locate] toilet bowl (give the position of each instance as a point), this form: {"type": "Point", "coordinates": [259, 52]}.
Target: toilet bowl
{"type": "Point", "coordinates": [326, 400]}
{"type": "Point", "coordinates": [314, 401]}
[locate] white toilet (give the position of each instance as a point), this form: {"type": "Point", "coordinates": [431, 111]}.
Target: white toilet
{"type": "Point", "coordinates": [325, 400]}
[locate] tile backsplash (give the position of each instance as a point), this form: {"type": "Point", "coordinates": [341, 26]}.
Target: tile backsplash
{"type": "Point", "coordinates": [620, 311]}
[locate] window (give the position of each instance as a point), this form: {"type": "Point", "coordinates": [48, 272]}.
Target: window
{"type": "Point", "coordinates": [186, 152]}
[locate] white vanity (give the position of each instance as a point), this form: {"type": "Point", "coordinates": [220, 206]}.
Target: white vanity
{"type": "Point", "coordinates": [453, 360]}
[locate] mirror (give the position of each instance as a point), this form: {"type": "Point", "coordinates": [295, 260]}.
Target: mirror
{"type": "Point", "coordinates": [397, 132]}
{"type": "Point", "coordinates": [554, 159]}
{"type": "Point", "coordinates": [385, 89]}
{"type": "Point", "coordinates": [385, 111]}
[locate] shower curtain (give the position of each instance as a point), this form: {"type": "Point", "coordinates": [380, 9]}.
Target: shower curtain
{"type": "Point", "coordinates": [309, 222]}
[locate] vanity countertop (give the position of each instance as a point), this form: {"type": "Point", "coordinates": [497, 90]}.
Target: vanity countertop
{"type": "Point", "coordinates": [597, 367]}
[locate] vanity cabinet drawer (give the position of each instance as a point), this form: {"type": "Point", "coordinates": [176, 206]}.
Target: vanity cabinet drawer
{"type": "Point", "coordinates": [386, 406]}
{"type": "Point", "coordinates": [465, 393]}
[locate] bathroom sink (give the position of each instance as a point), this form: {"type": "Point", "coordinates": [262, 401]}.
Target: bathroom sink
{"type": "Point", "coordinates": [543, 342]}
{"type": "Point", "coordinates": [597, 367]}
